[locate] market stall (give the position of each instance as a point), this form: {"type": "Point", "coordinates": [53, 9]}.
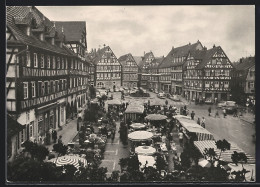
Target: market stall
{"type": "Point", "coordinates": [133, 112]}
{"type": "Point", "coordinates": [226, 155]}
{"type": "Point", "coordinates": [139, 138]}
{"type": "Point", "coordinates": [146, 160]}
{"type": "Point", "coordinates": [145, 150]}
{"type": "Point", "coordinates": [193, 131]}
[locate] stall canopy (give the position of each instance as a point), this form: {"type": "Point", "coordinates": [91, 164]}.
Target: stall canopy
{"type": "Point", "coordinates": [156, 102]}
{"type": "Point", "coordinates": [204, 163]}
{"type": "Point", "coordinates": [145, 150]}
{"type": "Point", "coordinates": [148, 160]}
{"type": "Point", "coordinates": [137, 126]}
{"type": "Point", "coordinates": [114, 102]}
{"type": "Point", "coordinates": [193, 127]}
{"type": "Point", "coordinates": [226, 155]}
{"type": "Point", "coordinates": [140, 135]}
{"type": "Point", "coordinates": [136, 109]}
{"type": "Point", "coordinates": [155, 117]}
{"type": "Point", "coordinates": [181, 117]}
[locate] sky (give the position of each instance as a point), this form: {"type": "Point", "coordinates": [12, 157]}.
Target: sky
{"type": "Point", "coordinates": [139, 29]}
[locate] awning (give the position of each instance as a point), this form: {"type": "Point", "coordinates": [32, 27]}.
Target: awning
{"type": "Point", "coordinates": [193, 127]}
{"type": "Point", "coordinates": [114, 102]}
{"type": "Point", "coordinates": [137, 126]}
{"type": "Point", "coordinates": [46, 107]}
{"type": "Point", "coordinates": [156, 117]}
{"type": "Point", "coordinates": [226, 155]}
{"type": "Point", "coordinates": [72, 160]}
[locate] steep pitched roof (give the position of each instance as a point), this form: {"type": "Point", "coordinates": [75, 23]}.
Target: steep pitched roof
{"type": "Point", "coordinates": [23, 11]}
{"type": "Point", "coordinates": [156, 63]}
{"type": "Point", "coordinates": [245, 63]}
{"type": "Point", "coordinates": [181, 51]}
{"type": "Point", "coordinates": [123, 57]}
{"type": "Point", "coordinates": [96, 56]}
{"type": "Point", "coordinates": [73, 30]}
{"type": "Point", "coordinates": [138, 60]}
{"type": "Point", "coordinates": [207, 56]}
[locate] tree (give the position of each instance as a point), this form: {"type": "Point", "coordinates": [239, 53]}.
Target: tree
{"type": "Point", "coordinates": [223, 145]}
{"type": "Point", "coordinates": [36, 151]}
{"type": "Point", "coordinates": [242, 158]}
{"type": "Point", "coordinates": [160, 162]}
{"type": "Point", "coordinates": [28, 169]}
{"type": "Point", "coordinates": [60, 149]}
{"type": "Point", "coordinates": [211, 154]}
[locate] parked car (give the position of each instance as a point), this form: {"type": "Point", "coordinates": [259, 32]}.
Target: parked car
{"type": "Point", "coordinates": [133, 91]}
{"type": "Point", "coordinates": [222, 104]}
{"type": "Point", "coordinates": [121, 89]}
{"type": "Point", "coordinates": [135, 88]}
{"type": "Point", "coordinates": [151, 90]}
{"type": "Point", "coordinates": [168, 95]}
{"type": "Point", "coordinates": [161, 95]}
{"type": "Point", "coordinates": [230, 107]}
{"type": "Point", "coordinates": [102, 92]}
{"type": "Point", "coordinates": [175, 98]}
{"type": "Point", "coordinates": [208, 101]}
{"type": "Point", "coordinates": [156, 91]}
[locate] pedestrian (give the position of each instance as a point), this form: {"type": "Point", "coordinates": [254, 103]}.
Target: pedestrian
{"type": "Point", "coordinates": [235, 113]}
{"type": "Point", "coordinates": [166, 102]}
{"type": "Point", "coordinates": [181, 138]}
{"type": "Point", "coordinates": [113, 132]}
{"type": "Point", "coordinates": [209, 110]}
{"type": "Point", "coordinates": [198, 121]}
{"type": "Point", "coordinates": [192, 115]}
{"type": "Point", "coordinates": [203, 122]}
{"type": "Point", "coordinates": [216, 114]}
{"type": "Point", "coordinates": [224, 113]}
{"type": "Point", "coordinates": [60, 139]}
{"type": "Point", "coordinates": [54, 136]}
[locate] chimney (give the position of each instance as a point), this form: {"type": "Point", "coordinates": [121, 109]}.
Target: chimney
{"type": "Point", "coordinates": [144, 52]}
{"type": "Point", "coordinates": [205, 48]}
{"type": "Point", "coordinates": [240, 61]}
{"type": "Point", "coordinates": [189, 43]}
{"type": "Point", "coordinates": [172, 47]}
{"type": "Point", "coordinates": [214, 46]}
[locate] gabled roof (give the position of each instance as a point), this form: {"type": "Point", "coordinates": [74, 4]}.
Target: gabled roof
{"type": "Point", "coordinates": [206, 56]}
{"type": "Point", "coordinates": [73, 30]}
{"type": "Point", "coordinates": [181, 51]}
{"type": "Point", "coordinates": [96, 56]}
{"type": "Point", "coordinates": [138, 60]}
{"type": "Point", "coordinates": [123, 57]}
{"type": "Point", "coordinates": [156, 63]}
{"type": "Point", "coordinates": [23, 11]}
{"type": "Point", "coordinates": [245, 63]}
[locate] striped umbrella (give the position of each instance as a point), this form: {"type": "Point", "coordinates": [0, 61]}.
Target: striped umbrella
{"type": "Point", "coordinates": [226, 155]}
{"type": "Point", "coordinates": [71, 160]}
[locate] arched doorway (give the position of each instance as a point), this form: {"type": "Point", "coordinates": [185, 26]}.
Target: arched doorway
{"type": "Point", "coordinates": [100, 85]}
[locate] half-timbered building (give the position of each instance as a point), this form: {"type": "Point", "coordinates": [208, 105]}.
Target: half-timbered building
{"type": "Point", "coordinates": [78, 75]}
{"type": "Point", "coordinates": [37, 73]}
{"type": "Point", "coordinates": [107, 68]}
{"type": "Point", "coordinates": [129, 71]}
{"type": "Point", "coordinates": [171, 69]}
{"type": "Point", "coordinates": [207, 75]}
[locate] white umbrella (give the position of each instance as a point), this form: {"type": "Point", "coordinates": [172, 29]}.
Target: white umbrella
{"type": "Point", "coordinates": [72, 160]}
{"type": "Point", "coordinates": [204, 163]}
{"type": "Point", "coordinates": [145, 150]}
{"type": "Point", "coordinates": [137, 126]}
{"type": "Point", "coordinates": [140, 135]}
